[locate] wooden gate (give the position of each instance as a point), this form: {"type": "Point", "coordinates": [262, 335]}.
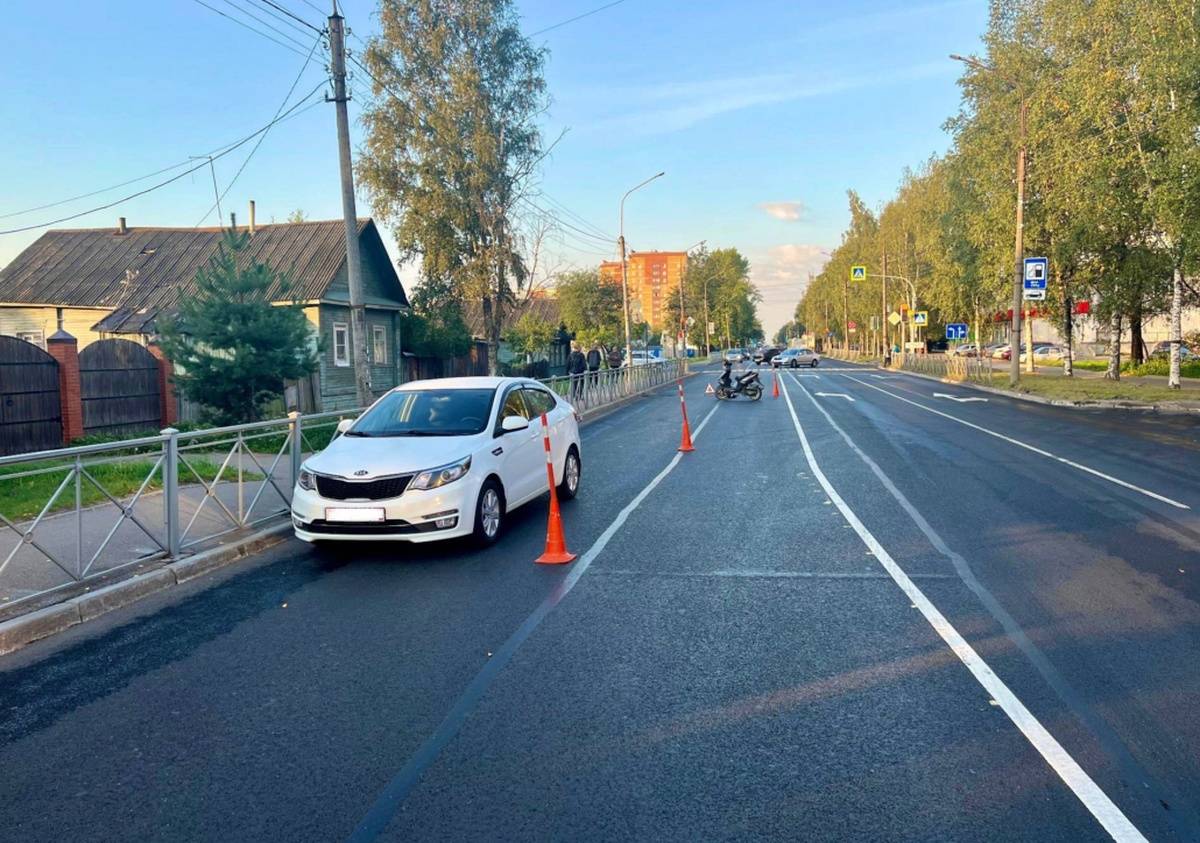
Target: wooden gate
{"type": "Point", "coordinates": [30, 412]}
{"type": "Point", "coordinates": [118, 384]}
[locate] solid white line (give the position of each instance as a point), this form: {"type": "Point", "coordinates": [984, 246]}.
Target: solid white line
{"type": "Point", "coordinates": [1089, 793]}
{"type": "Point", "coordinates": [836, 395]}
{"type": "Point", "coordinates": [1029, 447]}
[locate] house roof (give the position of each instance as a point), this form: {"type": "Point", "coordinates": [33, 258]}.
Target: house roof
{"type": "Point", "coordinates": [544, 307]}
{"type": "Point", "coordinates": [146, 270]}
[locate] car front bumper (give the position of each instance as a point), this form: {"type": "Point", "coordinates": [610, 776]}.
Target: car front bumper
{"type": "Point", "coordinates": [412, 517]}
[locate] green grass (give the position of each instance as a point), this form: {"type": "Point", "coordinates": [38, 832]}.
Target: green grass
{"type": "Point", "coordinates": [1156, 366]}
{"type": "Point", "coordinates": [1092, 389]}
{"type": "Point", "coordinates": [23, 497]}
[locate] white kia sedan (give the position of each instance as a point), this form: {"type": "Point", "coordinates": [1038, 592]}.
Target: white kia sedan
{"type": "Point", "coordinates": [438, 459]}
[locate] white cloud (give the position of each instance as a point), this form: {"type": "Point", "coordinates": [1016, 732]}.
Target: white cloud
{"type": "Point", "coordinates": [672, 106]}
{"type": "Point", "coordinates": [786, 211]}
{"type": "Point", "coordinates": [781, 275]}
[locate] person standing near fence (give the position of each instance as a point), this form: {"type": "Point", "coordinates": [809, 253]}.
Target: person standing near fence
{"type": "Point", "coordinates": [614, 358]}
{"type": "Point", "coordinates": [593, 365]}
{"type": "Point", "coordinates": [576, 366]}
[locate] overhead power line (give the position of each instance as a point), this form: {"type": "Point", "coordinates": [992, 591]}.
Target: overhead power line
{"type": "Point", "coordinates": [295, 17]}
{"type": "Point", "coordinates": [577, 17]}
{"type": "Point", "coordinates": [176, 177]}
{"type": "Point", "coordinates": [287, 36]}
{"type": "Point", "coordinates": [249, 27]}
{"type": "Point", "coordinates": [217, 205]}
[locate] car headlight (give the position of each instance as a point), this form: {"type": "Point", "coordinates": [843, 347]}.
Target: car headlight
{"type": "Point", "coordinates": [306, 479]}
{"type": "Point", "coordinates": [434, 477]}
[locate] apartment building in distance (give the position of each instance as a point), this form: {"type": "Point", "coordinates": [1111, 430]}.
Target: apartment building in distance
{"type": "Point", "coordinates": [653, 278]}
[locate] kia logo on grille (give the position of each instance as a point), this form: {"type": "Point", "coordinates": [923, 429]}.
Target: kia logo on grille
{"type": "Point", "coordinates": [362, 472]}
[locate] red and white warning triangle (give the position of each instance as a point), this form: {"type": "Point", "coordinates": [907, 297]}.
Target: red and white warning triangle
{"type": "Point", "coordinates": [708, 390]}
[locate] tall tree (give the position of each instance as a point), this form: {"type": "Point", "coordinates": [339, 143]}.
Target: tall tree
{"type": "Point", "coordinates": [452, 140]}
{"type": "Point", "coordinates": [590, 307]}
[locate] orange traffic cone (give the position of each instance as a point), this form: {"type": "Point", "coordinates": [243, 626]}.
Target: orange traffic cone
{"type": "Point", "coordinates": [556, 544]}
{"type": "Point", "coordinates": [685, 441]}
{"type": "Point", "coordinates": [775, 388]}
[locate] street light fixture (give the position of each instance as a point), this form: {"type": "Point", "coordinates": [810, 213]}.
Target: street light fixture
{"type": "Point", "coordinates": [625, 268]}
{"type": "Point", "coordinates": [1014, 372]}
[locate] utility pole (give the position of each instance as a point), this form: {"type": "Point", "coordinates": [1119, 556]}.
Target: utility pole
{"type": "Point", "coordinates": [625, 268]}
{"type": "Point", "coordinates": [358, 317]}
{"type": "Point", "coordinates": [1014, 370]}
{"type": "Point", "coordinates": [846, 311]}
{"type": "Point", "coordinates": [884, 324]}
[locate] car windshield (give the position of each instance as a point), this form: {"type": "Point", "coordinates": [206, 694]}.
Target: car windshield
{"type": "Point", "coordinates": [427, 412]}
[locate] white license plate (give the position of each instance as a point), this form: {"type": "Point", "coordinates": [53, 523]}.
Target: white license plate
{"type": "Point", "coordinates": [356, 514]}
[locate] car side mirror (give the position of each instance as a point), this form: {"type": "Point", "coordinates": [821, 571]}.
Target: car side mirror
{"type": "Point", "coordinates": [513, 423]}
{"type": "Point", "coordinates": [344, 425]}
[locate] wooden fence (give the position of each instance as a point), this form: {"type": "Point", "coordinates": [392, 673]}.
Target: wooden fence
{"type": "Point", "coordinates": [30, 409]}
{"type": "Point", "coordinates": [119, 387]}
{"type": "Point", "coordinates": [474, 362]}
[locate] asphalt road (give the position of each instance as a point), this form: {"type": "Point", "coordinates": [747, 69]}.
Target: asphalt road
{"type": "Point", "coordinates": [856, 615]}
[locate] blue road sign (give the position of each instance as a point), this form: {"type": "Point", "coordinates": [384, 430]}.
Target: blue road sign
{"type": "Point", "coordinates": [1035, 273]}
{"type": "Point", "coordinates": [956, 331]}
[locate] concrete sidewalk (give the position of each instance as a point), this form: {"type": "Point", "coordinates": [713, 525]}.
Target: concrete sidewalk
{"type": "Point", "coordinates": [73, 538]}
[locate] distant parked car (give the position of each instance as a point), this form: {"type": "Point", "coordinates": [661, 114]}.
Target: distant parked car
{"type": "Point", "coordinates": [642, 358]}
{"type": "Point", "coordinates": [967, 349]}
{"type": "Point", "coordinates": [735, 355]}
{"type": "Point", "coordinates": [1002, 352]}
{"type": "Point", "coordinates": [1163, 350]}
{"type": "Point", "coordinates": [794, 358]}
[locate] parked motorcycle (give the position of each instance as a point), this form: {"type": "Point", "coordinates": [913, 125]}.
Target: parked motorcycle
{"type": "Point", "coordinates": [746, 385]}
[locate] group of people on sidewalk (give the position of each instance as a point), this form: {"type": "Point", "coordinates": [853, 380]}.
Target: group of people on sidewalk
{"type": "Point", "coordinates": [584, 369]}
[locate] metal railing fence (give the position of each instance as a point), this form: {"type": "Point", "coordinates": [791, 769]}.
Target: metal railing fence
{"type": "Point", "coordinates": [950, 367]}
{"type": "Point", "coordinates": [69, 516]}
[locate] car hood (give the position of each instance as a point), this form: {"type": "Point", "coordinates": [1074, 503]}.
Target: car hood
{"type": "Point", "coordinates": [384, 456]}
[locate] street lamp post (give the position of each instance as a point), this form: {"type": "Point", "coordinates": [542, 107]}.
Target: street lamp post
{"type": "Point", "coordinates": [625, 269]}
{"type": "Point", "coordinates": [1014, 370]}
{"type": "Point", "coordinates": [683, 326]}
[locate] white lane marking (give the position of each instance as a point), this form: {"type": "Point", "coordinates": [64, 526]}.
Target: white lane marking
{"type": "Point", "coordinates": [1118, 481]}
{"type": "Point", "coordinates": [799, 375]}
{"type": "Point", "coordinates": [1081, 784]}
{"type": "Point", "coordinates": [956, 398]}
{"type": "Point", "coordinates": [836, 395]}
{"type": "Point", "coordinates": [388, 800]}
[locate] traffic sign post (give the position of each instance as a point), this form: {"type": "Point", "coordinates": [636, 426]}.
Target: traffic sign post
{"type": "Point", "coordinates": [894, 318]}
{"type": "Point", "coordinates": [1034, 288]}
{"type": "Point", "coordinates": [920, 317]}
{"type": "Point", "coordinates": [956, 331]}
{"type": "Point", "coordinates": [858, 273]}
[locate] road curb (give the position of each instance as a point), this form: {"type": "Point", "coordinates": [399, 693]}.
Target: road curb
{"type": "Point", "coordinates": [1166, 408]}
{"type": "Point", "coordinates": [25, 629]}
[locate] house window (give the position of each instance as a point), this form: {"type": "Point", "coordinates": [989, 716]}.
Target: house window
{"type": "Point", "coordinates": [341, 344]}
{"type": "Point", "coordinates": [379, 345]}
{"type": "Point", "coordinates": [38, 338]}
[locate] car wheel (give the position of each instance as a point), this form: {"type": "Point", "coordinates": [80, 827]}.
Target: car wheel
{"type": "Point", "coordinates": [814, 363]}
{"type": "Point", "coordinates": [572, 473]}
{"type": "Point", "coordinates": [489, 512]}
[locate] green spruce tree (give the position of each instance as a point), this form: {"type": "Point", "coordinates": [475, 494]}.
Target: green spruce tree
{"type": "Point", "coordinates": [232, 348]}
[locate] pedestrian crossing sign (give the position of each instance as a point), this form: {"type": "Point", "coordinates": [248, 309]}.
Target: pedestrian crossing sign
{"type": "Point", "coordinates": [858, 273]}
{"type": "Point", "coordinates": [920, 317]}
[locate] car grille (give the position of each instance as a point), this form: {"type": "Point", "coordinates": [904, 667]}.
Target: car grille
{"type": "Point", "coordinates": [381, 528]}
{"type": "Point", "coordinates": [335, 488]}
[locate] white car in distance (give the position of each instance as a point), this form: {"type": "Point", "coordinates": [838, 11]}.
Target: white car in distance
{"type": "Point", "coordinates": [438, 459]}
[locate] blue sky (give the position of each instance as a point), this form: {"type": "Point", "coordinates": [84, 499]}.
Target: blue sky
{"type": "Point", "coordinates": [761, 112]}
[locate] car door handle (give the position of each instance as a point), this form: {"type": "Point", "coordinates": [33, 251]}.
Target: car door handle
{"type": "Point", "coordinates": [497, 452]}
